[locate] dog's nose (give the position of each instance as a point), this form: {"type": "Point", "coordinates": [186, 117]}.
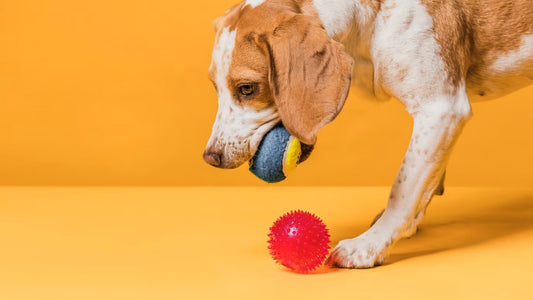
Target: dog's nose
{"type": "Point", "coordinates": [213, 156]}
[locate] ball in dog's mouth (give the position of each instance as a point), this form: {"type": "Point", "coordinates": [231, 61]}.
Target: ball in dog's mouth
{"type": "Point", "coordinates": [278, 154]}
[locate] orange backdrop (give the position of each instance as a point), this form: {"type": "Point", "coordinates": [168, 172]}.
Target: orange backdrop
{"type": "Point", "coordinates": [116, 93]}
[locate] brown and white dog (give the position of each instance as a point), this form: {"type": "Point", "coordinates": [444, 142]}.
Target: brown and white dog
{"type": "Point", "coordinates": [293, 60]}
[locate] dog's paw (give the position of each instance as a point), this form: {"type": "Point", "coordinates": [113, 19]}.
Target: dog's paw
{"type": "Point", "coordinates": [360, 253]}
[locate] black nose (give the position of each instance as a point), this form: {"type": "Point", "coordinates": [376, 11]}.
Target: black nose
{"type": "Point", "coordinates": [213, 156]}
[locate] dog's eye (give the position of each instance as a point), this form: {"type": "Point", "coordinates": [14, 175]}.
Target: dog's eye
{"type": "Point", "coordinates": [246, 89]}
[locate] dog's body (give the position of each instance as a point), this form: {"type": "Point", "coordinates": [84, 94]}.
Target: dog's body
{"type": "Point", "coordinates": [282, 60]}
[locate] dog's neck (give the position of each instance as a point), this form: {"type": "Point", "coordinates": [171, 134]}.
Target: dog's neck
{"type": "Point", "coordinates": [350, 22]}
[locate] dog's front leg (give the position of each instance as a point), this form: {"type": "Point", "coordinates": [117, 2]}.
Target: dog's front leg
{"type": "Point", "coordinates": [436, 127]}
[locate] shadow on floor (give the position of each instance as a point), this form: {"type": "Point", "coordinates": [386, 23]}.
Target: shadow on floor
{"type": "Point", "coordinates": [477, 224]}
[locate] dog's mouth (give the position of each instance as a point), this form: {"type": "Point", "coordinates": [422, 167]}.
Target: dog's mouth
{"type": "Point", "coordinates": [305, 149]}
{"type": "Point", "coordinates": [306, 152]}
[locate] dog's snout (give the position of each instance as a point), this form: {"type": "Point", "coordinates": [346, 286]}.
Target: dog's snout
{"type": "Point", "coordinates": [213, 156]}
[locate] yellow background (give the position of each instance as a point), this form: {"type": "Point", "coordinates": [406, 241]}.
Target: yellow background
{"type": "Point", "coordinates": [116, 93]}
{"type": "Point", "coordinates": [193, 243]}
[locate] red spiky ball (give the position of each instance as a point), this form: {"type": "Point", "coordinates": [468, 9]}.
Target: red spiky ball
{"type": "Point", "coordinates": [299, 240]}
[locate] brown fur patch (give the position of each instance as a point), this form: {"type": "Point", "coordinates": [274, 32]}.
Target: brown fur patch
{"type": "Point", "coordinates": [473, 33]}
{"type": "Point", "coordinates": [293, 61]}
{"type": "Point", "coordinates": [454, 36]}
{"type": "Point", "coordinates": [249, 65]}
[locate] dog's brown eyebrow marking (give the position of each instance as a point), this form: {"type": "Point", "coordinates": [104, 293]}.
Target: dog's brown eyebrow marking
{"type": "Point", "coordinates": [246, 74]}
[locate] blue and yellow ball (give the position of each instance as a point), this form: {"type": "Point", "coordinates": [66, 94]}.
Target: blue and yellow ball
{"type": "Point", "coordinates": [278, 154]}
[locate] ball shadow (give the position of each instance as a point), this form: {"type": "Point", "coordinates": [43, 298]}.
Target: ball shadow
{"type": "Point", "coordinates": [323, 269]}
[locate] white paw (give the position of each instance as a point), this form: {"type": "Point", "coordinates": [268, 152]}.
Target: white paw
{"type": "Point", "coordinates": [360, 253]}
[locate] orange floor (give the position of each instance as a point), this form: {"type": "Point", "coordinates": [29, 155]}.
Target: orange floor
{"type": "Point", "coordinates": [210, 243]}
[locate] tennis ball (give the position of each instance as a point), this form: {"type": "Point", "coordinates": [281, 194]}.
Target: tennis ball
{"type": "Point", "coordinates": [277, 155]}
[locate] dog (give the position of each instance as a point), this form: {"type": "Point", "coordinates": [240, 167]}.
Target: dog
{"type": "Point", "coordinates": [294, 61]}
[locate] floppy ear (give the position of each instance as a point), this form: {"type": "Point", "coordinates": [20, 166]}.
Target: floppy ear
{"type": "Point", "coordinates": [309, 75]}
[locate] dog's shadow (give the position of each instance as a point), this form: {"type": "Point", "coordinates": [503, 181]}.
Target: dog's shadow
{"type": "Point", "coordinates": [475, 225]}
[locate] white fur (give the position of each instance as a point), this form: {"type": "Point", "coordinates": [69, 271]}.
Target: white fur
{"type": "Point", "coordinates": [237, 129]}
{"type": "Point", "coordinates": [397, 42]}
{"type": "Point", "coordinates": [403, 45]}
{"type": "Point", "coordinates": [404, 42]}
{"type": "Point", "coordinates": [221, 58]}
{"type": "Point", "coordinates": [337, 16]}
{"type": "Point", "coordinates": [352, 24]}
{"type": "Point", "coordinates": [513, 60]}
{"type": "Point", "coordinates": [510, 71]}
{"type": "Point", "coordinates": [254, 3]}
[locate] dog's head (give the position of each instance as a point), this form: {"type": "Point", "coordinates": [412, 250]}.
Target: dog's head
{"type": "Point", "coordinates": [272, 62]}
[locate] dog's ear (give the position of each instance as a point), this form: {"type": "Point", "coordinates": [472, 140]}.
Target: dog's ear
{"type": "Point", "coordinates": [309, 75]}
